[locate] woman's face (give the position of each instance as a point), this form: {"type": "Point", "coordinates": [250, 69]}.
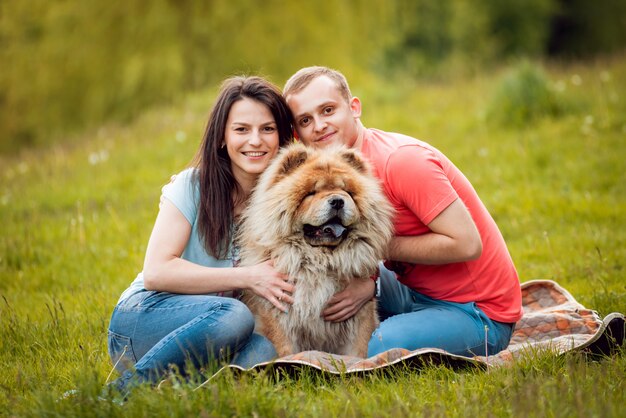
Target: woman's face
{"type": "Point", "coordinates": [251, 138]}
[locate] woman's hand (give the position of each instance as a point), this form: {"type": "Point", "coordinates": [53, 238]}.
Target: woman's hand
{"type": "Point", "coordinates": [345, 304]}
{"type": "Point", "coordinates": [269, 283]}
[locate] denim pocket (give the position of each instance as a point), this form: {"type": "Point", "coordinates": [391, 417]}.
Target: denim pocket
{"type": "Point", "coordinates": [121, 351]}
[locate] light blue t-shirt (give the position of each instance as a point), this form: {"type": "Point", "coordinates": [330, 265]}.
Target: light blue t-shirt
{"type": "Point", "coordinates": [184, 193]}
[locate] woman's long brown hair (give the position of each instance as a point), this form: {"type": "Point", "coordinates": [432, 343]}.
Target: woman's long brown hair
{"type": "Point", "coordinates": [218, 187]}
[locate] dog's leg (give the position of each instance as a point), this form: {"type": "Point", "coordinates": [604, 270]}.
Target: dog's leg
{"type": "Point", "coordinates": [269, 326]}
{"type": "Point", "coordinates": [367, 321]}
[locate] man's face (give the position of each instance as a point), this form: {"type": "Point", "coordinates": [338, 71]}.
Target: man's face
{"type": "Point", "coordinates": [323, 116]}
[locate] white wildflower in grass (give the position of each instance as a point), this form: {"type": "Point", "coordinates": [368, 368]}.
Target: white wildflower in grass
{"type": "Point", "coordinates": [576, 80]}
{"type": "Point", "coordinates": [181, 136]}
{"type": "Point", "coordinates": [22, 168]}
{"type": "Point", "coordinates": [605, 76]}
{"type": "Point", "coordinates": [98, 157]}
{"type": "Point", "coordinates": [559, 86]}
{"type": "Point", "coordinates": [93, 158]}
{"type": "Point", "coordinates": [587, 126]}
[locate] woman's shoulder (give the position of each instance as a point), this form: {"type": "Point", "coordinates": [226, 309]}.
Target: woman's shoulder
{"type": "Point", "coordinates": [187, 175]}
{"type": "Point", "coordinates": [183, 187]}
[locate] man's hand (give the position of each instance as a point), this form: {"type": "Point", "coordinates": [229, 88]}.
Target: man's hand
{"type": "Point", "coordinates": [345, 304]}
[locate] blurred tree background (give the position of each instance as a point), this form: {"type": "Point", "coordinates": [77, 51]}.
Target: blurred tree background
{"type": "Point", "coordinates": [67, 65]}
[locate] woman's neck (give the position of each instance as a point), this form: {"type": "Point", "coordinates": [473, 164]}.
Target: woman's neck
{"type": "Point", "coordinates": [246, 183]}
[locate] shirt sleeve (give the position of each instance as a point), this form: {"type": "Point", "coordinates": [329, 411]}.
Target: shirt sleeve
{"type": "Point", "coordinates": [184, 194]}
{"type": "Point", "coordinates": [417, 178]}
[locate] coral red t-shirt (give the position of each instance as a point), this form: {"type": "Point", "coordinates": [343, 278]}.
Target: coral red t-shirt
{"type": "Point", "coordinates": [420, 183]}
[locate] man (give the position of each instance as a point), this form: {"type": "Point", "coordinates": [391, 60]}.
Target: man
{"type": "Point", "coordinates": [456, 287]}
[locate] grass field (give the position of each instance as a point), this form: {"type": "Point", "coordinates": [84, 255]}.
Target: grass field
{"type": "Point", "coordinates": [76, 220]}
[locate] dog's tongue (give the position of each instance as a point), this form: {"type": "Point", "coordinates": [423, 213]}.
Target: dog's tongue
{"type": "Point", "coordinates": [335, 229]}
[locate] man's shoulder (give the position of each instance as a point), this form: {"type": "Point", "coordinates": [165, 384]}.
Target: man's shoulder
{"type": "Point", "coordinates": [395, 140]}
{"type": "Point", "coordinates": [385, 145]}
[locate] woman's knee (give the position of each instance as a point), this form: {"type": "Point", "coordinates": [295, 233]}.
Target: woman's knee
{"type": "Point", "coordinates": [240, 316]}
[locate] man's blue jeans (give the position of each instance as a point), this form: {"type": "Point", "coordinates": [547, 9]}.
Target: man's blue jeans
{"type": "Point", "coordinates": [412, 320]}
{"type": "Point", "coordinates": [150, 331]}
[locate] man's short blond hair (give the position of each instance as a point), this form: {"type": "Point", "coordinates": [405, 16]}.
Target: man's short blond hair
{"type": "Point", "coordinates": [304, 76]}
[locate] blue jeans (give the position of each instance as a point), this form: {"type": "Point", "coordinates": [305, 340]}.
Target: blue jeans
{"type": "Point", "coordinates": [150, 331]}
{"type": "Point", "coordinates": [412, 320]}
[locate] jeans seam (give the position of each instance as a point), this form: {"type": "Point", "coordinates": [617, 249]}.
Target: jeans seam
{"type": "Point", "coordinates": [142, 307]}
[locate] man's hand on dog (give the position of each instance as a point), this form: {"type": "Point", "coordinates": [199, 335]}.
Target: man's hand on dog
{"type": "Point", "coordinates": [345, 304]}
{"type": "Point", "coordinates": [272, 285]}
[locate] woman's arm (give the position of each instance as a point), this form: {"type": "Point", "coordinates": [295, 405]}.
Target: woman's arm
{"type": "Point", "coordinates": [164, 270]}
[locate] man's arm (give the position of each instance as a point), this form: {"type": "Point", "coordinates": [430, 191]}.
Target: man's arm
{"type": "Point", "coordinates": [453, 238]}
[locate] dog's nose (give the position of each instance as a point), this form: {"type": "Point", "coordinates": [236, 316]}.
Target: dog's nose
{"type": "Point", "coordinates": [336, 203]}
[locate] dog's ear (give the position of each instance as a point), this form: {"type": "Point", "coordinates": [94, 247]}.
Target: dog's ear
{"type": "Point", "coordinates": [294, 157]}
{"type": "Point", "coordinates": [355, 159]}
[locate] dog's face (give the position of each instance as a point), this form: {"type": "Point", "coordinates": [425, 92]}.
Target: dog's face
{"type": "Point", "coordinates": [327, 210]}
{"type": "Point", "coordinates": [324, 192]}
{"type": "Point", "coordinates": [319, 209]}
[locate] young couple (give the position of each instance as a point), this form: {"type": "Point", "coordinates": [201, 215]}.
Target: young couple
{"type": "Point", "coordinates": [449, 281]}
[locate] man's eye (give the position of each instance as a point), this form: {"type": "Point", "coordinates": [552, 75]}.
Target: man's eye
{"type": "Point", "coordinates": [328, 110]}
{"type": "Point", "coordinates": [304, 121]}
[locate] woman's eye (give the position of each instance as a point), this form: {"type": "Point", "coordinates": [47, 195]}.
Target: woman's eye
{"type": "Point", "coordinates": [328, 110]}
{"type": "Point", "coordinates": [269, 129]}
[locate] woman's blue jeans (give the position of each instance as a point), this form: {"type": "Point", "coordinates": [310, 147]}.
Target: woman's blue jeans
{"type": "Point", "coordinates": [151, 331]}
{"type": "Point", "coordinates": [412, 320]}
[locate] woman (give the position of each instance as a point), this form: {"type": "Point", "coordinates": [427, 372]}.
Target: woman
{"type": "Point", "coordinates": [183, 307]}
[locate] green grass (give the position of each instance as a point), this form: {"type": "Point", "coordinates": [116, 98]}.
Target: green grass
{"type": "Point", "coordinates": [76, 220]}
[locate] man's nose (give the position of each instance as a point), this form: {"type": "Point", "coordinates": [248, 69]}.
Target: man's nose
{"type": "Point", "coordinates": [319, 124]}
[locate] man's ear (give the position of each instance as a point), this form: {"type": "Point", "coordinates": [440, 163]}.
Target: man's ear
{"type": "Point", "coordinates": [355, 107]}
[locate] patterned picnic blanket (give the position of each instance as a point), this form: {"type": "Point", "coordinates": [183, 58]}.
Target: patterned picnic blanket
{"type": "Point", "coordinates": [553, 320]}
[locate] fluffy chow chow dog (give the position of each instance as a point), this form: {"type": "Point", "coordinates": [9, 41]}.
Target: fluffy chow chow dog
{"type": "Point", "coordinates": [323, 219]}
